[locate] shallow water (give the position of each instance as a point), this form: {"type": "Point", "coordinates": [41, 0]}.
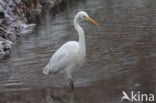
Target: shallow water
{"type": "Point", "coordinates": [121, 55]}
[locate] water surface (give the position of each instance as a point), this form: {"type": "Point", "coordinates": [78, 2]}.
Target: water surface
{"type": "Point", "coordinates": [121, 54]}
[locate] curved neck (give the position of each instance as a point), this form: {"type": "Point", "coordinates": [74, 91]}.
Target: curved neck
{"type": "Point", "coordinates": [80, 31]}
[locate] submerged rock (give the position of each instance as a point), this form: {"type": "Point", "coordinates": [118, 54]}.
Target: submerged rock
{"type": "Point", "coordinates": [27, 28]}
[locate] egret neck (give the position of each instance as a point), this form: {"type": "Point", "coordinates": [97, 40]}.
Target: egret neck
{"type": "Point", "coordinates": [80, 31]}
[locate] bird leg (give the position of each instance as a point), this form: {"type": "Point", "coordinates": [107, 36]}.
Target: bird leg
{"type": "Point", "coordinates": [71, 84]}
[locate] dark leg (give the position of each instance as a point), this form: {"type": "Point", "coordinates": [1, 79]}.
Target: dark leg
{"type": "Point", "coordinates": [71, 84]}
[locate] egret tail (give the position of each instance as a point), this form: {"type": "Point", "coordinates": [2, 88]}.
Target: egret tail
{"type": "Point", "coordinates": [46, 70]}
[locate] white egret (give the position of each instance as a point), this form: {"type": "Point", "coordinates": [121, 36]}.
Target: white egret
{"type": "Point", "coordinates": [71, 55]}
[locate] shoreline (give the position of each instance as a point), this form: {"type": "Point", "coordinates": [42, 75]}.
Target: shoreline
{"type": "Point", "coordinates": [17, 19]}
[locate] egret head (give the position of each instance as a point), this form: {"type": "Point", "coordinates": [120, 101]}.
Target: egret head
{"type": "Point", "coordinates": [82, 15]}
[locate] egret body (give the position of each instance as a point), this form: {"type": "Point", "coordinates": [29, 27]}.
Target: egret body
{"type": "Point", "coordinates": [71, 55]}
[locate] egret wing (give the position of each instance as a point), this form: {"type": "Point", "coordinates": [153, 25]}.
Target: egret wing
{"type": "Point", "coordinates": [62, 57]}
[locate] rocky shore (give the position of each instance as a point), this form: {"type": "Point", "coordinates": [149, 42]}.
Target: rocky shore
{"type": "Point", "coordinates": [17, 18]}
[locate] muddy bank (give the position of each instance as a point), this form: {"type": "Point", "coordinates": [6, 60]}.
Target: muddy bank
{"type": "Point", "coordinates": [17, 18]}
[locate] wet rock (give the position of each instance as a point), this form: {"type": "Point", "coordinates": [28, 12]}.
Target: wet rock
{"type": "Point", "coordinates": [7, 33]}
{"type": "Point", "coordinates": [2, 35]}
{"type": "Point", "coordinates": [15, 16]}
{"type": "Point", "coordinates": [5, 46]}
{"type": "Point", "coordinates": [2, 15]}
{"type": "Point", "coordinates": [27, 28]}
{"type": "Point", "coordinates": [2, 4]}
{"type": "Point", "coordinates": [2, 9]}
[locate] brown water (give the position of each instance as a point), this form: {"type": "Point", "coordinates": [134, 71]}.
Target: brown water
{"type": "Point", "coordinates": [121, 55]}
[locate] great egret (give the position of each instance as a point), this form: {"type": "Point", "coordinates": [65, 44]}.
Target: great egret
{"type": "Point", "coordinates": [71, 55]}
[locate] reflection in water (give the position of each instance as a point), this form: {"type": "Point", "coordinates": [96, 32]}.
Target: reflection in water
{"type": "Point", "coordinates": [63, 98]}
{"type": "Point", "coordinates": [50, 99]}
{"type": "Point", "coordinates": [121, 54]}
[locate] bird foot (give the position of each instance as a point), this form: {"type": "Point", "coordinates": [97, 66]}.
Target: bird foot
{"type": "Point", "coordinates": [71, 84]}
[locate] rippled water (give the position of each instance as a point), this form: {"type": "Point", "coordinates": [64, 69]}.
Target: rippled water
{"type": "Point", "coordinates": [121, 54]}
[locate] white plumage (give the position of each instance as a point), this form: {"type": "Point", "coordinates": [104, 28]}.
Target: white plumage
{"type": "Point", "coordinates": [67, 54]}
{"type": "Point", "coordinates": [70, 56]}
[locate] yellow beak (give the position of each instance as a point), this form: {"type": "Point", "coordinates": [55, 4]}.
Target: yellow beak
{"type": "Point", "coordinates": [91, 20]}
